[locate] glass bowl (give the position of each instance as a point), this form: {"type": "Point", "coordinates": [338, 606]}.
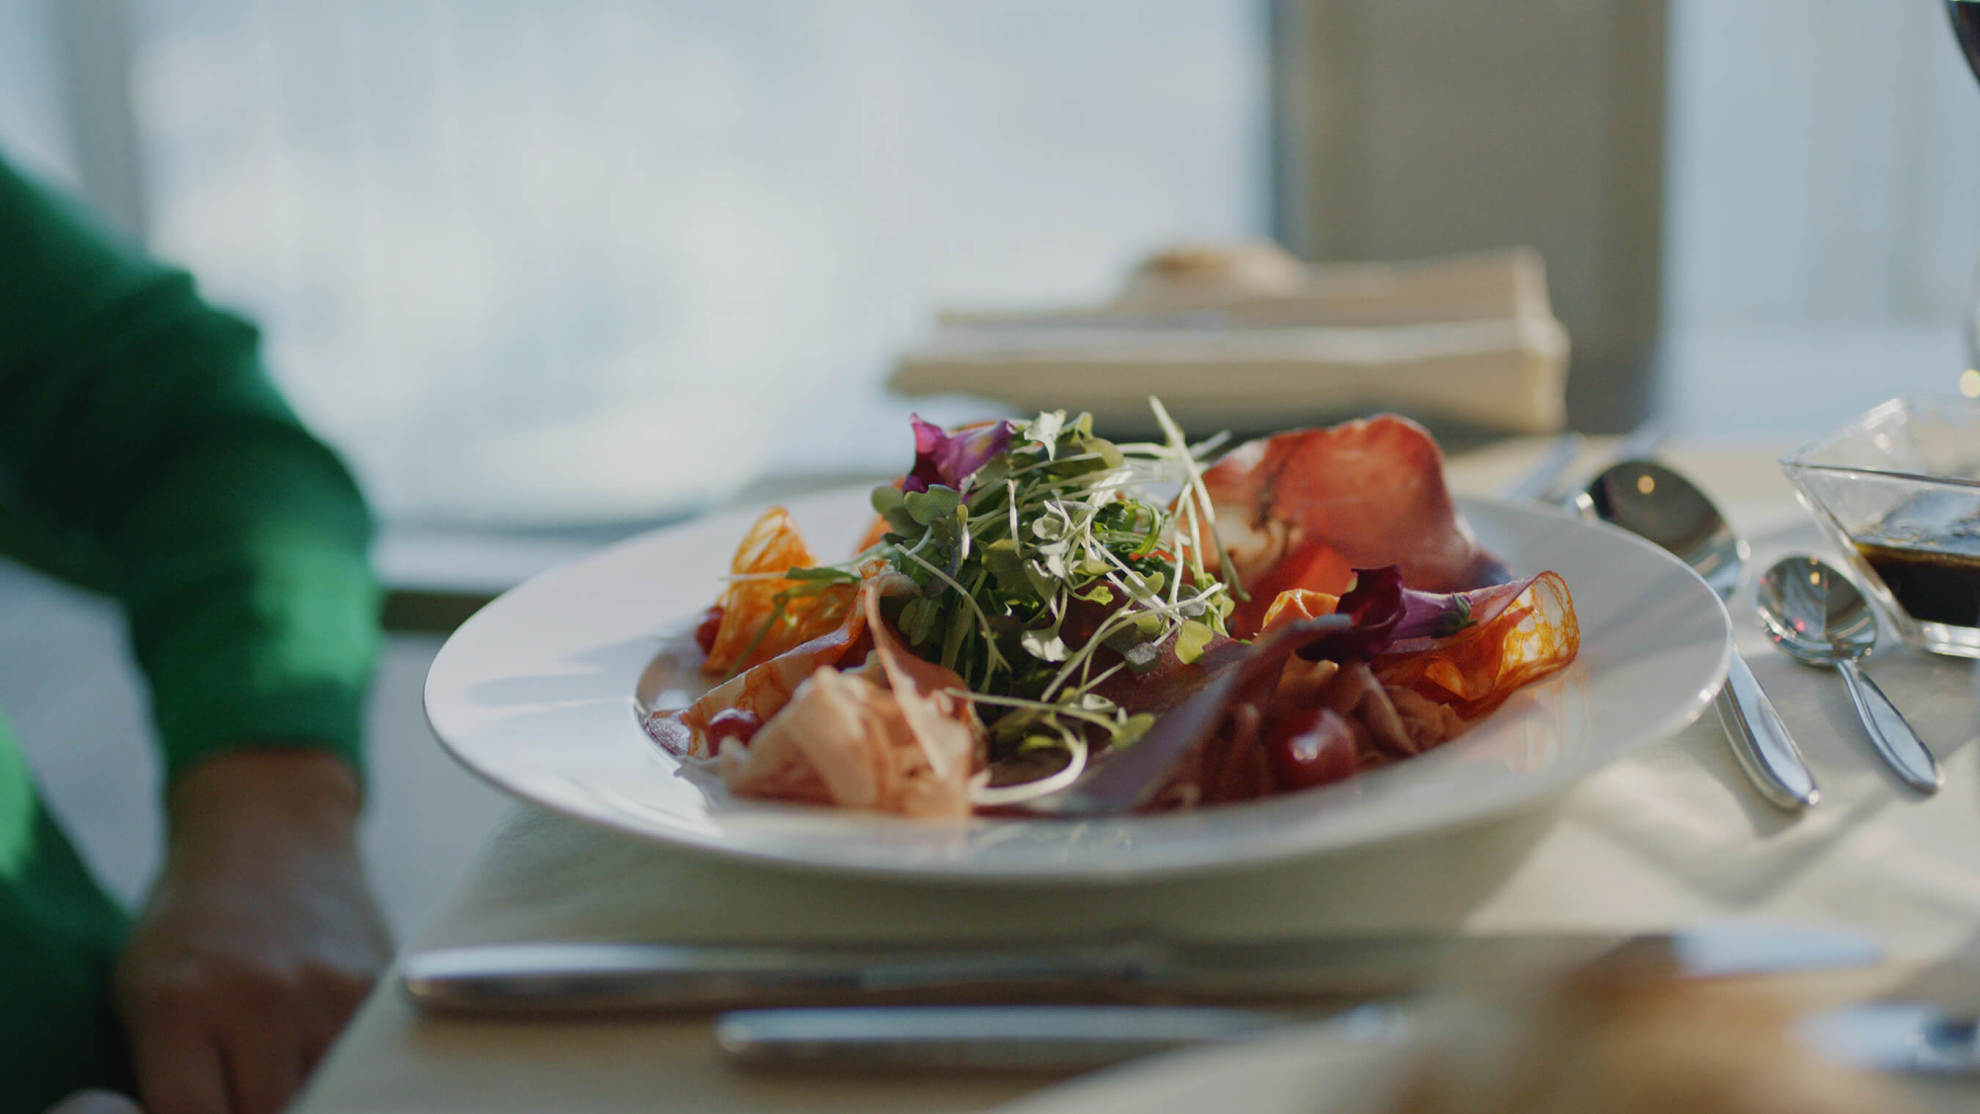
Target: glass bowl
{"type": "Point", "coordinates": [1898, 490]}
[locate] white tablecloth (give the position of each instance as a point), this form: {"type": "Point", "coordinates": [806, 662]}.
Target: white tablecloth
{"type": "Point", "coordinates": [1671, 835]}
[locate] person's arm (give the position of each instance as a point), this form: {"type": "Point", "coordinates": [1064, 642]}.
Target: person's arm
{"type": "Point", "coordinates": [136, 420]}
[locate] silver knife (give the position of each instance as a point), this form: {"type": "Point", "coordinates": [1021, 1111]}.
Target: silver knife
{"type": "Point", "coordinates": [1902, 1037]}
{"type": "Point", "coordinates": [546, 977]}
{"type": "Point", "coordinates": [976, 1038]}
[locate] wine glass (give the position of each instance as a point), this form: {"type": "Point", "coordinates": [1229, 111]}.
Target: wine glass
{"type": "Point", "coordinates": [1966, 28]}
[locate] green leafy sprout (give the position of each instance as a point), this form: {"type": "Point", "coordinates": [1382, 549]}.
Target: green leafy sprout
{"type": "Point", "coordinates": [1064, 545]}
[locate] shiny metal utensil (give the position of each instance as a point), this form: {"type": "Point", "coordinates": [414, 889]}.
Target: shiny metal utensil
{"type": "Point", "coordinates": [1818, 617]}
{"type": "Point", "coordinates": [1902, 1037]}
{"type": "Point", "coordinates": [1542, 482]}
{"type": "Point", "coordinates": [1655, 502]}
{"type": "Point", "coordinates": [1539, 481]}
{"type": "Point", "coordinates": [592, 977]}
{"type": "Point", "coordinates": [976, 1038]}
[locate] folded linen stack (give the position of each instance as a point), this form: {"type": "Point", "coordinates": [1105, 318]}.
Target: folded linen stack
{"type": "Point", "coordinates": [1248, 338]}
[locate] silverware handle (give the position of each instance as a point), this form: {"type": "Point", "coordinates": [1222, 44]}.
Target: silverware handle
{"type": "Point", "coordinates": [1894, 739]}
{"type": "Point", "coordinates": [1642, 443]}
{"type": "Point", "coordinates": [599, 977]}
{"type": "Point", "coordinates": [974, 1038]}
{"type": "Point", "coordinates": [1539, 482]}
{"type": "Point", "coordinates": [1761, 743]}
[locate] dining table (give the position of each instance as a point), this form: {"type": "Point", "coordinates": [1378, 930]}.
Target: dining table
{"type": "Point", "coordinates": [1670, 835]}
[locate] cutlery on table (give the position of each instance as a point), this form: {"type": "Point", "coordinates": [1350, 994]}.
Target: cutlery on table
{"type": "Point", "coordinates": [1662, 506]}
{"type": "Point", "coordinates": [592, 977]}
{"type": "Point", "coordinates": [977, 1038]}
{"type": "Point", "coordinates": [1817, 616]}
{"type": "Point", "coordinates": [1542, 482]}
{"type": "Point", "coordinates": [1883, 1036]}
{"type": "Point", "coordinates": [1539, 482]}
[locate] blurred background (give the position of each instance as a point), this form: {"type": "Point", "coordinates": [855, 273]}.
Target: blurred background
{"type": "Point", "coordinates": [562, 269]}
{"type": "Point", "coordinates": [532, 262]}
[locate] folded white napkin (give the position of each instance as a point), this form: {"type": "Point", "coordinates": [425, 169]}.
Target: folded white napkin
{"type": "Point", "coordinates": [1250, 339]}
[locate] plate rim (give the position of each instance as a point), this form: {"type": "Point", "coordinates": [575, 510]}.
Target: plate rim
{"type": "Point", "coordinates": [976, 873]}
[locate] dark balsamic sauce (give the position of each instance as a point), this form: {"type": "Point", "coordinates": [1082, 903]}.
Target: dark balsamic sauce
{"type": "Point", "coordinates": [1927, 552]}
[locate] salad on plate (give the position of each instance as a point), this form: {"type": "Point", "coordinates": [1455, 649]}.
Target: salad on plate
{"type": "Point", "coordinates": [1043, 621]}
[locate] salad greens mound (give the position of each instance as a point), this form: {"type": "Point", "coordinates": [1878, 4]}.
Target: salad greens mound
{"type": "Point", "coordinates": [1050, 562]}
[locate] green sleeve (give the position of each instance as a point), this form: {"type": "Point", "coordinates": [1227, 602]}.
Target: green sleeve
{"type": "Point", "coordinates": [136, 423]}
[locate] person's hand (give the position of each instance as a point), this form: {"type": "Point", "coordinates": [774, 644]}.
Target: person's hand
{"type": "Point", "coordinates": [258, 940]}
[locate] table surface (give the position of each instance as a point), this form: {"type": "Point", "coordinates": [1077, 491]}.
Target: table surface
{"type": "Point", "coordinates": [1671, 835]}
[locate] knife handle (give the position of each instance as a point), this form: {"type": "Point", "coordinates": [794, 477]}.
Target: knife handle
{"type": "Point", "coordinates": [975, 1038]}
{"type": "Point", "coordinates": [602, 977]}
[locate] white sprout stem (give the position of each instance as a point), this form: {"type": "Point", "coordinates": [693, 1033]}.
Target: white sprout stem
{"type": "Point", "coordinates": [1037, 706]}
{"type": "Point", "coordinates": [1109, 625]}
{"type": "Point", "coordinates": [982, 620]}
{"type": "Point", "coordinates": [1076, 752]}
{"type": "Point", "coordinates": [1174, 432]}
{"type": "Point", "coordinates": [1016, 541]}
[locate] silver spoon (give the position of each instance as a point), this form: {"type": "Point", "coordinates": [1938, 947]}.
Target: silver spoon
{"type": "Point", "coordinates": [1649, 499]}
{"type": "Point", "coordinates": [1815, 614]}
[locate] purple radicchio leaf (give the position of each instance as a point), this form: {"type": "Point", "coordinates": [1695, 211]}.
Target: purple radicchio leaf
{"type": "Point", "coordinates": [950, 459]}
{"type": "Point", "coordinates": [1375, 606]}
{"type": "Point", "coordinates": [1429, 618]}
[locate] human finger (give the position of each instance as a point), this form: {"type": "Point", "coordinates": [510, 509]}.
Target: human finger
{"type": "Point", "coordinates": [179, 1069]}
{"type": "Point", "coordinates": [262, 1049]}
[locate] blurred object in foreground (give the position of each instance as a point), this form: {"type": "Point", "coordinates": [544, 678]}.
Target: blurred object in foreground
{"type": "Point", "coordinates": [1246, 337]}
{"type": "Point", "coordinates": [1627, 1046]}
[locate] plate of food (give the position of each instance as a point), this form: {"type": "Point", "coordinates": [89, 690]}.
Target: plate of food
{"type": "Point", "coordinates": [1043, 655]}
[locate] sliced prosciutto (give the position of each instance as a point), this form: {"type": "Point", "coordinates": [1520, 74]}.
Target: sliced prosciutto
{"type": "Point", "coordinates": [890, 736]}
{"type": "Point", "coordinates": [1304, 509]}
{"type": "Point", "coordinates": [761, 691]}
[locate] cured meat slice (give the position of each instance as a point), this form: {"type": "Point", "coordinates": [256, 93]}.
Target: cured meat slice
{"type": "Point", "coordinates": [892, 736]}
{"type": "Point", "coordinates": [761, 690]}
{"type": "Point", "coordinates": [1322, 502]}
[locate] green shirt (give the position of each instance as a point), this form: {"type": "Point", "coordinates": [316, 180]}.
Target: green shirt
{"type": "Point", "coordinates": [143, 452]}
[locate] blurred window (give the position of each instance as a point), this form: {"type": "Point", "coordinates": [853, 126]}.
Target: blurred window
{"type": "Point", "coordinates": [601, 259]}
{"type": "Point", "coordinates": [1821, 240]}
{"type": "Point", "coordinates": [579, 260]}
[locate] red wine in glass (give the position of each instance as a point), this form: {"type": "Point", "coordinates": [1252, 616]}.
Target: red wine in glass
{"type": "Point", "coordinates": [1966, 27]}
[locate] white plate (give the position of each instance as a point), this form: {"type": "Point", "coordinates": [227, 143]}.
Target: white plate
{"type": "Point", "coordinates": [536, 694]}
{"type": "Point", "coordinates": [1301, 1071]}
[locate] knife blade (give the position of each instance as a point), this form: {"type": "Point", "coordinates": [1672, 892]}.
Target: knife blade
{"type": "Point", "coordinates": [1897, 1037]}
{"type": "Point", "coordinates": [592, 977]}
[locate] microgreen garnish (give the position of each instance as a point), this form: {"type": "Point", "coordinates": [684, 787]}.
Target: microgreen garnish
{"type": "Point", "coordinates": [1047, 567]}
